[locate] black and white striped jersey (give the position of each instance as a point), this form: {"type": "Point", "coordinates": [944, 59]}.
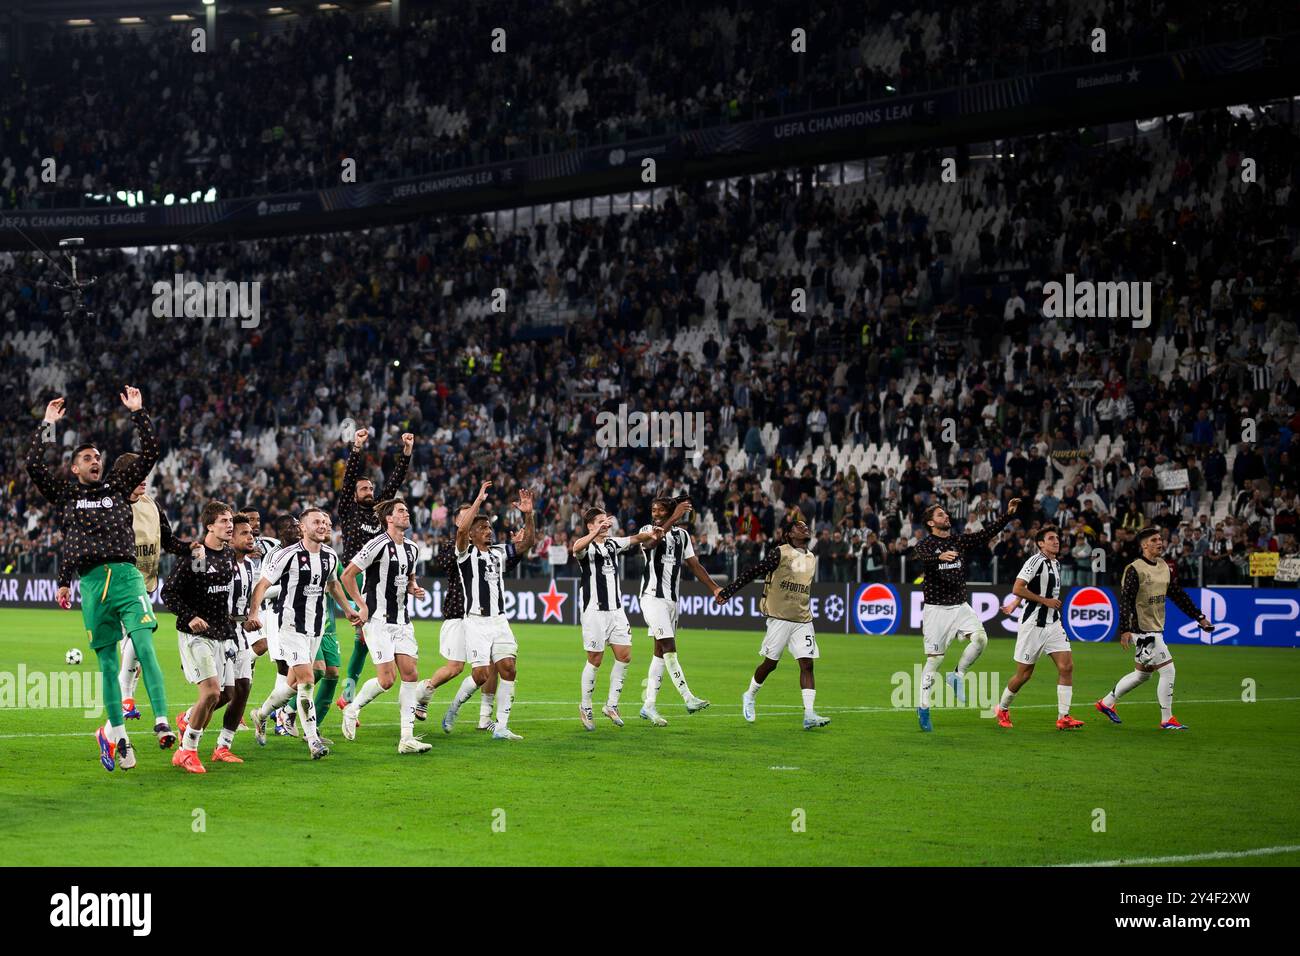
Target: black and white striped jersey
{"type": "Point", "coordinates": [1261, 376]}
{"type": "Point", "coordinates": [241, 588]}
{"type": "Point", "coordinates": [598, 568]}
{"type": "Point", "coordinates": [663, 563]}
{"type": "Point", "coordinates": [481, 574]}
{"type": "Point", "coordinates": [1042, 576]}
{"type": "Point", "coordinates": [302, 577]}
{"type": "Point", "coordinates": [265, 545]}
{"type": "Point", "coordinates": [389, 567]}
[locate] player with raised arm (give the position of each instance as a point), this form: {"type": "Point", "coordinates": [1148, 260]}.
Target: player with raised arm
{"type": "Point", "coordinates": [388, 561]}
{"type": "Point", "coordinates": [789, 571]}
{"type": "Point", "coordinates": [1041, 632]}
{"type": "Point", "coordinates": [1145, 584]}
{"type": "Point", "coordinates": [305, 572]}
{"type": "Point", "coordinates": [451, 636]}
{"type": "Point", "coordinates": [95, 516]}
{"type": "Point", "coordinates": [153, 535]}
{"type": "Point", "coordinates": [198, 593]}
{"type": "Point", "coordinates": [488, 638]}
{"type": "Point", "coordinates": [947, 614]}
{"type": "Point", "coordinates": [604, 622]}
{"type": "Point", "coordinates": [237, 662]}
{"type": "Point", "coordinates": [360, 524]}
{"type": "Point", "coordinates": [660, 591]}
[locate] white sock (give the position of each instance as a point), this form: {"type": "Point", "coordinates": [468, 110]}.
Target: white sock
{"type": "Point", "coordinates": [616, 677]}
{"type": "Point", "coordinates": [1063, 694]}
{"type": "Point", "coordinates": [654, 681]}
{"type": "Point", "coordinates": [809, 698]}
{"type": "Point", "coordinates": [675, 672]}
{"type": "Point", "coordinates": [464, 692]}
{"type": "Point", "coordinates": [753, 689]}
{"type": "Point", "coordinates": [307, 711]}
{"type": "Point", "coordinates": [406, 697]}
{"type": "Point", "coordinates": [1008, 696]}
{"type": "Point", "coordinates": [129, 674]}
{"type": "Point", "coordinates": [928, 675]}
{"type": "Point", "coordinates": [424, 693]}
{"type": "Point", "coordinates": [225, 738]}
{"type": "Point", "coordinates": [505, 697]}
{"type": "Point", "coordinates": [369, 691]}
{"type": "Point", "coordinates": [116, 734]}
{"type": "Point", "coordinates": [1165, 691]}
{"type": "Point", "coordinates": [191, 740]}
{"type": "Point", "coordinates": [280, 693]}
{"type": "Point", "coordinates": [189, 714]}
{"type": "Point", "coordinates": [978, 641]}
{"type": "Point", "coordinates": [588, 682]}
{"type": "Point", "coordinates": [485, 706]}
{"type": "Point", "coordinates": [1126, 683]}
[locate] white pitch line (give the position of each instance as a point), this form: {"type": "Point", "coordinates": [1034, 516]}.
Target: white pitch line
{"type": "Point", "coordinates": [1191, 857]}
{"type": "Point", "coordinates": [731, 713]}
{"type": "Point", "coordinates": [797, 707]}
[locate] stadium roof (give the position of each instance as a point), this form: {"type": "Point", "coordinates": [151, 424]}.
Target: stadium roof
{"type": "Point", "coordinates": [160, 11]}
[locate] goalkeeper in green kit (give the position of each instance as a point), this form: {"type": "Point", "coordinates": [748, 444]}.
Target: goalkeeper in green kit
{"type": "Point", "coordinates": [96, 518]}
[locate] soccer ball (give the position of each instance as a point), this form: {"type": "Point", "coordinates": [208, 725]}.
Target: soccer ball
{"type": "Point", "coordinates": [73, 656]}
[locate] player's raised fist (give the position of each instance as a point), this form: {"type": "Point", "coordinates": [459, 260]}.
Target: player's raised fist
{"type": "Point", "coordinates": [1013, 505]}
{"type": "Point", "coordinates": [408, 443]}
{"type": "Point", "coordinates": [131, 399]}
{"type": "Point", "coordinates": [359, 438]}
{"type": "Point", "coordinates": [55, 409]}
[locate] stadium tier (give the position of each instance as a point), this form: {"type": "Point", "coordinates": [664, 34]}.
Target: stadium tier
{"type": "Point", "coordinates": [585, 342]}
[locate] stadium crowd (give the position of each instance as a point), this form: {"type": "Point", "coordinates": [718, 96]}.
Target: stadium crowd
{"type": "Point", "coordinates": [982, 400]}
{"type": "Point", "coordinates": [272, 110]}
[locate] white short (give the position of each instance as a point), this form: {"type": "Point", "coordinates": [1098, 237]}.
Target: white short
{"type": "Point", "coordinates": [1149, 649]}
{"type": "Point", "coordinates": [796, 637]}
{"type": "Point", "coordinates": [940, 623]}
{"type": "Point", "coordinates": [387, 640]}
{"type": "Point", "coordinates": [660, 616]}
{"type": "Point", "coordinates": [271, 631]}
{"type": "Point", "coordinates": [451, 639]}
{"type": "Point", "coordinates": [488, 640]}
{"type": "Point", "coordinates": [201, 657]}
{"type": "Point", "coordinates": [1032, 642]}
{"type": "Point", "coordinates": [296, 647]}
{"type": "Point", "coordinates": [605, 627]}
{"type": "Point", "coordinates": [238, 667]}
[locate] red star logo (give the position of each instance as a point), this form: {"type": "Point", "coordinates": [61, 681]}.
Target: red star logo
{"type": "Point", "coordinates": [553, 600]}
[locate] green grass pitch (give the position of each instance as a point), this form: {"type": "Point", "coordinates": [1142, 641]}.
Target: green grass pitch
{"type": "Point", "coordinates": [707, 789]}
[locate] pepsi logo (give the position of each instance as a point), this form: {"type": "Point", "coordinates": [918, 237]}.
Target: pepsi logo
{"type": "Point", "coordinates": [1089, 614]}
{"type": "Point", "coordinates": [875, 609]}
